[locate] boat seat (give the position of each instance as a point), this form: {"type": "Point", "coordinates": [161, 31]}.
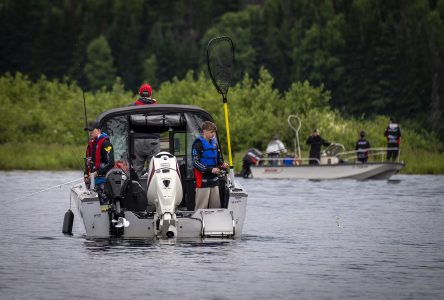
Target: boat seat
{"type": "Point", "coordinates": [143, 180]}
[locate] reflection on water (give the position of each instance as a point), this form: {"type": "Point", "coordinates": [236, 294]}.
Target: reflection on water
{"type": "Point", "coordinates": [393, 181]}
{"type": "Point", "coordinates": [149, 245]}
{"type": "Point", "coordinates": [302, 239]}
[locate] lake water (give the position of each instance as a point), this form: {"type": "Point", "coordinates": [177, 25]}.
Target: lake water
{"type": "Point", "coordinates": [301, 240]}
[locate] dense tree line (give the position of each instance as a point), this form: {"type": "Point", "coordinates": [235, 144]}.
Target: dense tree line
{"type": "Point", "coordinates": [376, 57]}
{"type": "Point", "coordinates": [42, 132]}
{"type": "Point", "coordinates": [257, 112]}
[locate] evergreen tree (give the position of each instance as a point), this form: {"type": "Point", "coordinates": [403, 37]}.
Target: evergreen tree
{"type": "Point", "coordinates": [150, 70]}
{"type": "Point", "coordinates": [99, 70]}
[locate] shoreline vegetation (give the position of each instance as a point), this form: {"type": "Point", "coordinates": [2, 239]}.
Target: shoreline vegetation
{"type": "Point", "coordinates": [56, 157]}
{"type": "Point", "coordinates": [42, 122]}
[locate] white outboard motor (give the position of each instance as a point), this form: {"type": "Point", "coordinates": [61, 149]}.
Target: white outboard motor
{"type": "Point", "coordinates": [165, 191]}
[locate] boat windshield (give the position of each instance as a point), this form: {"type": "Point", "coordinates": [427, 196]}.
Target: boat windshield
{"type": "Point", "coordinates": [176, 132]}
{"type": "Point", "coordinates": [117, 129]}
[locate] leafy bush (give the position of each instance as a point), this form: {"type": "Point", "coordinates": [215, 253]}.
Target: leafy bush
{"type": "Point", "coordinates": [51, 112]}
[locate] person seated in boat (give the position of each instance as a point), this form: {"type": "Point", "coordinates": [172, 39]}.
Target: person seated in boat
{"type": "Point", "coordinates": [145, 148]}
{"type": "Point", "coordinates": [362, 146]}
{"type": "Point", "coordinates": [393, 135]}
{"type": "Point", "coordinates": [99, 159]}
{"type": "Point", "coordinates": [207, 162]}
{"type": "Point", "coordinates": [316, 142]}
{"type": "Point", "coordinates": [274, 149]}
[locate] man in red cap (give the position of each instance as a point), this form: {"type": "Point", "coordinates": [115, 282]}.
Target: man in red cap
{"type": "Point", "coordinates": [145, 92]}
{"type": "Point", "coordinates": [148, 146]}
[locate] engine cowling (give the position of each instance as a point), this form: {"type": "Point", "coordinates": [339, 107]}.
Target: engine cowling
{"type": "Point", "coordinates": [165, 191]}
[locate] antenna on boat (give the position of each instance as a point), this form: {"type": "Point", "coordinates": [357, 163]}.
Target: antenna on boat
{"type": "Point", "coordinates": [68, 219]}
{"type": "Point", "coordinates": [296, 131]}
{"type": "Point", "coordinates": [220, 60]}
{"type": "Point", "coordinates": [84, 109]}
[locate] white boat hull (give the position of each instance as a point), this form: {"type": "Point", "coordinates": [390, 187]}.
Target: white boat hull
{"type": "Point", "coordinates": [323, 172]}
{"type": "Point", "coordinates": [148, 205]}
{"type": "Point", "coordinates": [203, 223]}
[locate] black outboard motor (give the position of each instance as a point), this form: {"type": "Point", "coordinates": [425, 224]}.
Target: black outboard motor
{"type": "Point", "coordinates": [115, 186]}
{"type": "Point", "coordinates": [252, 157]}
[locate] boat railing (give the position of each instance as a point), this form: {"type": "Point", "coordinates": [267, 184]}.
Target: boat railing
{"type": "Point", "coordinates": [374, 154]}
{"type": "Point", "coordinates": [279, 161]}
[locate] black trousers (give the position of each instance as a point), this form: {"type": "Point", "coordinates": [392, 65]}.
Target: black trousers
{"type": "Point", "coordinates": [313, 160]}
{"type": "Point", "coordinates": [392, 154]}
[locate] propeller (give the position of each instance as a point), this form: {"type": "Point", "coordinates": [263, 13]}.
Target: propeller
{"type": "Point", "coordinates": [121, 222]}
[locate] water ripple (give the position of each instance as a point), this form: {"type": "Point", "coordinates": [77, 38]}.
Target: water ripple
{"type": "Point", "coordinates": [302, 239]}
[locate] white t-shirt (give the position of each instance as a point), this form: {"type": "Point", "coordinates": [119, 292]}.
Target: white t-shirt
{"type": "Point", "coordinates": [276, 146]}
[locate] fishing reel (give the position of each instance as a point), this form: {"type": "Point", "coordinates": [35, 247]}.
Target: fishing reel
{"type": "Point", "coordinates": [89, 163]}
{"type": "Point", "coordinates": [222, 172]}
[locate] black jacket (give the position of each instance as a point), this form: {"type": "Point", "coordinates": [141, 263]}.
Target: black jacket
{"type": "Point", "coordinates": [316, 142]}
{"type": "Point", "coordinates": [393, 135]}
{"type": "Point", "coordinates": [362, 143]}
{"type": "Point", "coordinates": [106, 158]}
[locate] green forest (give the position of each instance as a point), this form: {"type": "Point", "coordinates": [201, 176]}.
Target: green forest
{"type": "Point", "coordinates": [342, 66]}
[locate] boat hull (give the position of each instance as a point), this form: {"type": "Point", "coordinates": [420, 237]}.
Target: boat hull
{"type": "Point", "coordinates": [202, 223]}
{"type": "Point", "coordinates": [382, 171]}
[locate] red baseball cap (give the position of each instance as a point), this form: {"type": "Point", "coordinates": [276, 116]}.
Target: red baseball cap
{"type": "Point", "coordinates": [145, 90]}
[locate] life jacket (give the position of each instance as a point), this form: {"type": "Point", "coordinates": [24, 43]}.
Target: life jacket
{"type": "Point", "coordinates": [362, 146]}
{"type": "Point", "coordinates": [145, 101]}
{"type": "Point", "coordinates": [209, 152]}
{"type": "Point", "coordinates": [208, 158]}
{"type": "Point", "coordinates": [393, 135]}
{"type": "Point", "coordinates": [98, 142]}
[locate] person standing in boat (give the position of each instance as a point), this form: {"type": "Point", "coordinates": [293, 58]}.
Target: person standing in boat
{"type": "Point", "coordinates": [274, 149]}
{"type": "Point", "coordinates": [146, 93]}
{"type": "Point", "coordinates": [362, 146]}
{"type": "Point", "coordinates": [99, 159]}
{"type": "Point", "coordinates": [316, 142]}
{"type": "Point", "coordinates": [393, 135]}
{"type": "Point", "coordinates": [145, 148]}
{"type": "Point", "coordinates": [207, 162]}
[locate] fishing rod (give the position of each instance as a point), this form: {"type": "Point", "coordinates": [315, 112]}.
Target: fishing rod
{"type": "Point", "coordinates": [68, 219]}
{"type": "Point", "coordinates": [86, 117]}
{"type": "Point", "coordinates": [47, 189]}
{"type": "Point", "coordinates": [88, 160]}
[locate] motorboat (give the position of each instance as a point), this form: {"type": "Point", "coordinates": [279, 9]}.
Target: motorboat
{"type": "Point", "coordinates": [335, 163]}
{"type": "Point", "coordinates": [160, 203]}
{"type": "Point", "coordinates": [329, 168]}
